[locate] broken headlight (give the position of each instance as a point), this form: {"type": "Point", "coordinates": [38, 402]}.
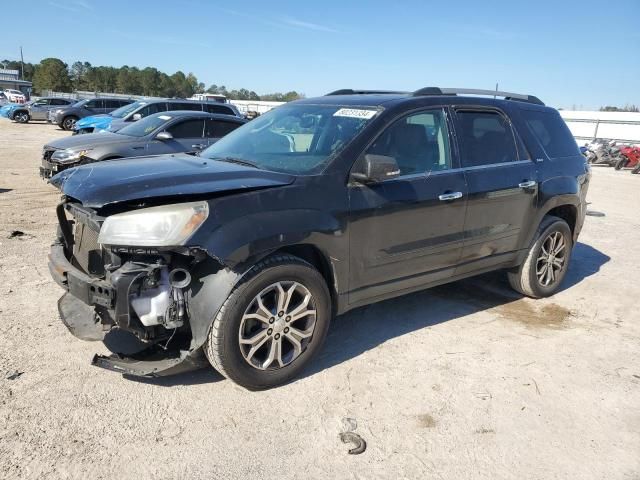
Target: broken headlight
{"type": "Point", "coordinates": [165, 226]}
{"type": "Point", "coordinates": [69, 156]}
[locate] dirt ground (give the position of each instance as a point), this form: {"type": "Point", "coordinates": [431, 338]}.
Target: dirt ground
{"type": "Point", "coordinates": [465, 381]}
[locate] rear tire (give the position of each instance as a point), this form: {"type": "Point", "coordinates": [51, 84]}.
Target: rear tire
{"type": "Point", "coordinates": [260, 343]}
{"type": "Point", "coordinates": [636, 169]}
{"type": "Point", "coordinates": [547, 261]}
{"type": "Point", "coordinates": [69, 122]}
{"type": "Point", "coordinates": [621, 163]}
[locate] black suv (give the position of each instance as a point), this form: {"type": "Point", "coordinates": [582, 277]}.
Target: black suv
{"type": "Point", "coordinates": [245, 253]}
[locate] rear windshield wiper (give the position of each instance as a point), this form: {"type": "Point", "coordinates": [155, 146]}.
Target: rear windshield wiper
{"type": "Point", "coordinates": [238, 161]}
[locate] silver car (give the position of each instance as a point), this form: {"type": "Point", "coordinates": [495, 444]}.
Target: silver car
{"type": "Point", "coordinates": [39, 109]}
{"type": "Point", "coordinates": [158, 134]}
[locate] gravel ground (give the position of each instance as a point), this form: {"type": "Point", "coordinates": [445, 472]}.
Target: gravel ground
{"type": "Point", "coordinates": [462, 381]}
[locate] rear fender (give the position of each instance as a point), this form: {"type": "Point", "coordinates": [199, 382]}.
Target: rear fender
{"type": "Point", "coordinates": [555, 192]}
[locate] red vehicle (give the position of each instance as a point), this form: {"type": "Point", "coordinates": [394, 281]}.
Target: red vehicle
{"type": "Point", "coordinates": [630, 157]}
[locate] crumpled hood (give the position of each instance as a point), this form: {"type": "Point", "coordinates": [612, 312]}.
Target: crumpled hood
{"type": "Point", "coordinates": [89, 140]}
{"type": "Point", "coordinates": [115, 181]}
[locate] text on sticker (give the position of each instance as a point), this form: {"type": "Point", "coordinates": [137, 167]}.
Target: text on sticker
{"type": "Point", "coordinates": [355, 113]}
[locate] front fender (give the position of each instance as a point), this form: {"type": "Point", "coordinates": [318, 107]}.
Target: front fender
{"type": "Point", "coordinates": [259, 233]}
{"type": "Point", "coordinates": [211, 284]}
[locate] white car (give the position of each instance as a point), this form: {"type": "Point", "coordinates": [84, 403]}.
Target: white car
{"type": "Point", "coordinates": [15, 96]}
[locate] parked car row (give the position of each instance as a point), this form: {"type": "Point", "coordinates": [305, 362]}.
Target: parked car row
{"type": "Point", "coordinates": [160, 133]}
{"type": "Point", "coordinates": [613, 154]}
{"type": "Point", "coordinates": [33, 110]}
{"type": "Point", "coordinates": [104, 114]}
{"type": "Point", "coordinates": [243, 254]}
{"type": "Point", "coordinates": [137, 110]}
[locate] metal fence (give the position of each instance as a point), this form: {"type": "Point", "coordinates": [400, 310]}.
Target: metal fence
{"type": "Point", "coordinates": [81, 95]}
{"type": "Point", "coordinates": [623, 127]}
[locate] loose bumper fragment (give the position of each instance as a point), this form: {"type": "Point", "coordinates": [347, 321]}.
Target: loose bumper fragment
{"type": "Point", "coordinates": [151, 366]}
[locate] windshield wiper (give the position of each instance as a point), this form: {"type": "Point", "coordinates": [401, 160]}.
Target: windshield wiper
{"type": "Point", "coordinates": [236, 160]}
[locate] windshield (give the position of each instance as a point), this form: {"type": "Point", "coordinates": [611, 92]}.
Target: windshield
{"type": "Point", "coordinates": [298, 139]}
{"type": "Point", "coordinates": [145, 126]}
{"type": "Point", "coordinates": [127, 109]}
{"type": "Point", "coordinates": [79, 103]}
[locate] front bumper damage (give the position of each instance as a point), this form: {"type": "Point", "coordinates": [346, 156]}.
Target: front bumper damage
{"type": "Point", "coordinates": [122, 297]}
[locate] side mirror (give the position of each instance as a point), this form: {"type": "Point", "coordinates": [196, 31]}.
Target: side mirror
{"type": "Point", "coordinates": [163, 135]}
{"type": "Point", "coordinates": [377, 168]}
{"type": "Point", "coordinates": [136, 117]}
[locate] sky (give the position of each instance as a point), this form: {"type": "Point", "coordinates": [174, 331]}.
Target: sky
{"type": "Point", "coordinates": [571, 54]}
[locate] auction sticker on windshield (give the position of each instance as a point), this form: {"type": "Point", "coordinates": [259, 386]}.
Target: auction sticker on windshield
{"type": "Point", "coordinates": [355, 113]}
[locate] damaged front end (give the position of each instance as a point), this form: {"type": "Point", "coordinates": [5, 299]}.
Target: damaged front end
{"type": "Point", "coordinates": [55, 160]}
{"type": "Point", "coordinates": [139, 300]}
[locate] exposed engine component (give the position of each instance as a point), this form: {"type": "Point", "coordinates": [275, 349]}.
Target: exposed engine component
{"type": "Point", "coordinates": [160, 300]}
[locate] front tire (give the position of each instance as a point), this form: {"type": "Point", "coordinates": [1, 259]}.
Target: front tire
{"type": "Point", "coordinates": [69, 122]}
{"type": "Point", "coordinates": [272, 324]}
{"type": "Point", "coordinates": [21, 117]}
{"type": "Point", "coordinates": [547, 260]}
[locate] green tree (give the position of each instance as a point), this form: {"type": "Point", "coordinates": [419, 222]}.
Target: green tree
{"type": "Point", "coordinates": [78, 74]}
{"type": "Point", "coordinates": [128, 80]}
{"type": "Point", "coordinates": [150, 81]}
{"type": "Point", "coordinates": [51, 74]}
{"type": "Point", "coordinates": [193, 84]}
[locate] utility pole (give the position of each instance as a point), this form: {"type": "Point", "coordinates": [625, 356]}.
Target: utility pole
{"type": "Point", "coordinates": [496, 89]}
{"type": "Point", "coordinates": [21, 65]}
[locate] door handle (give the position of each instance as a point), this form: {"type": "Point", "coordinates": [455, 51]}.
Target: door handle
{"type": "Point", "coordinates": [198, 145]}
{"type": "Point", "coordinates": [450, 196]}
{"type": "Point", "coordinates": [527, 184]}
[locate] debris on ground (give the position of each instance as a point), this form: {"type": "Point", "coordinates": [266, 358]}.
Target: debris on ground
{"type": "Point", "coordinates": [13, 375]}
{"type": "Point", "coordinates": [349, 436]}
{"type": "Point", "coordinates": [594, 213]}
{"type": "Point", "coordinates": [356, 440]}
{"type": "Point", "coordinates": [19, 234]}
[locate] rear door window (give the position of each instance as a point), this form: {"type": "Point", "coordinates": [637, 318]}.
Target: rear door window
{"type": "Point", "coordinates": [185, 106]}
{"type": "Point", "coordinates": [219, 128]}
{"type": "Point", "coordinates": [188, 129]}
{"type": "Point", "coordinates": [219, 109]}
{"type": "Point", "coordinates": [112, 104]}
{"type": "Point", "coordinates": [153, 108]}
{"type": "Point", "coordinates": [485, 138]}
{"type": "Point", "coordinates": [94, 104]}
{"type": "Point", "coordinates": [552, 133]}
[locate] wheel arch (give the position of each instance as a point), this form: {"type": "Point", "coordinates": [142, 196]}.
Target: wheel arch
{"type": "Point", "coordinates": [568, 213]}
{"type": "Point", "coordinates": [313, 255]}
{"type": "Point", "coordinates": [20, 110]}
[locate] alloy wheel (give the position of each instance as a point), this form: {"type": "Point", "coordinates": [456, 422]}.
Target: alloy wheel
{"type": "Point", "coordinates": [69, 123]}
{"type": "Point", "coordinates": [277, 326]}
{"type": "Point", "coordinates": [551, 259]}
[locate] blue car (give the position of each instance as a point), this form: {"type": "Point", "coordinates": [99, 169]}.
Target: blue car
{"type": "Point", "coordinates": [7, 110]}
{"type": "Point", "coordinates": [135, 111]}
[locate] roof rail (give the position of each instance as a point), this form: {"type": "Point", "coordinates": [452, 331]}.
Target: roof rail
{"type": "Point", "coordinates": [472, 91]}
{"type": "Point", "coordinates": [350, 91]}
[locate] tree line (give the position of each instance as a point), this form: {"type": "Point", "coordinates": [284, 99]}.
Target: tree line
{"type": "Point", "coordinates": [55, 75]}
